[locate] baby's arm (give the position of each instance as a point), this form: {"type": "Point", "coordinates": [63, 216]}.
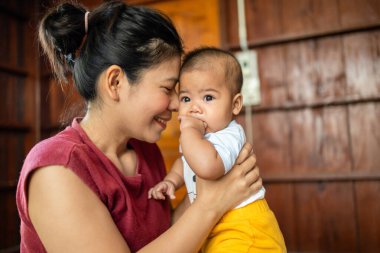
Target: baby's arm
{"type": "Point", "coordinates": [168, 186]}
{"type": "Point", "coordinates": [200, 154]}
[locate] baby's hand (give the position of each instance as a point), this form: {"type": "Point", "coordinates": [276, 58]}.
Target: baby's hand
{"type": "Point", "coordinates": [191, 122]}
{"type": "Point", "coordinates": [164, 187]}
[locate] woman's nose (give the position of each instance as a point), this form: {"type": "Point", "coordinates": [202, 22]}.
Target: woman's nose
{"type": "Point", "coordinates": [173, 103]}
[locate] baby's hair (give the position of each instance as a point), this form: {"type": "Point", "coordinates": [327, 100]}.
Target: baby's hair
{"type": "Point", "coordinates": [203, 58]}
{"type": "Point", "coordinates": [133, 37]}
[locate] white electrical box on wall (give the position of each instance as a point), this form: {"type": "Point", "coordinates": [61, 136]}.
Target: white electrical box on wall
{"type": "Point", "coordinates": [251, 80]}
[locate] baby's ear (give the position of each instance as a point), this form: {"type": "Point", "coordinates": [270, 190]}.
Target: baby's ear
{"type": "Point", "coordinates": [237, 104]}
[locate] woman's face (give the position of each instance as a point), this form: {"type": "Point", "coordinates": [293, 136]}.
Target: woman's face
{"type": "Point", "coordinates": [150, 102]}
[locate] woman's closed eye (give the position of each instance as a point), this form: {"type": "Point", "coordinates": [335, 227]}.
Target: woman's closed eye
{"type": "Point", "coordinates": [168, 89]}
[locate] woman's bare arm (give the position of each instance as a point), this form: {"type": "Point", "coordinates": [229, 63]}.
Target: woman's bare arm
{"type": "Point", "coordinates": [69, 217]}
{"type": "Point", "coordinates": [180, 209]}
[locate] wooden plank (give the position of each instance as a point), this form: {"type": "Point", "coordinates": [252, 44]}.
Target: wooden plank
{"type": "Point", "coordinates": [12, 155]}
{"type": "Point", "coordinates": [9, 222]}
{"type": "Point", "coordinates": [314, 71]}
{"type": "Point", "coordinates": [325, 218]}
{"type": "Point", "coordinates": [368, 209]}
{"type": "Point", "coordinates": [365, 136]}
{"type": "Point", "coordinates": [319, 140]}
{"type": "Point", "coordinates": [300, 71]}
{"type": "Point", "coordinates": [12, 104]}
{"type": "Point", "coordinates": [263, 18]}
{"type": "Point", "coordinates": [5, 42]}
{"type": "Point", "coordinates": [13, 70]}
{"type": "Point", "coordinates": [270, 142]}
{"type": "Point", "coordinates": [300, 20]}
{"type": "Point", "coordinates": [13, 42]}
{"type": "Point", "coordinates": [358, 12]}
{"type": "Point", "coordinates": [362, 61]}
{"type": "Point", "coordinates": [330, 84]}
{"type": "Point", "coordinates": [231, 23]}
{"type": "Point", "coordinates": [304, 16]}
{"type": "Point", "coordinates": [281, 200]}
{"type": "Point", "coordinates": [271, 64]}
{"type": "Point", "coordinates": [296, 177]}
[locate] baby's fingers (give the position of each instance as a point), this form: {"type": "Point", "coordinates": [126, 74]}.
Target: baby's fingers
{"type": "Point", "coordinates": [150, 193]}
{"type": "Point", "coordinates": [170, 193]}
{"type": "Point", "coordinates": [159, 195]}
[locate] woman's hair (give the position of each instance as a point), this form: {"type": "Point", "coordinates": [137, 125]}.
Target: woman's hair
{"type": "Point", "coordinates": [132, 37]}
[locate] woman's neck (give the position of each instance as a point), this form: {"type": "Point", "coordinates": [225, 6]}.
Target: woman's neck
{"type": "Point", "coordinates": [103, 132]}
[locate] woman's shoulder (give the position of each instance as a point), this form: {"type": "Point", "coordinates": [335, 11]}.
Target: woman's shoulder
{"type": "Point", "coordinates": [53, 150]}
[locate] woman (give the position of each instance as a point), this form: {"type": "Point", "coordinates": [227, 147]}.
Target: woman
{"type": "Point", "coordinates": [86, 189]}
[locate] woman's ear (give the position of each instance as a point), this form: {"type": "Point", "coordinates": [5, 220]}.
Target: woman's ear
{"type": "Point", "coordinates": [237, 104]}
{"type": "Point", "coordinates": [114, 76]}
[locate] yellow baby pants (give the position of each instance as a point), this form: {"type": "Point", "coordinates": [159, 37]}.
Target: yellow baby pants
{"type": "Point", "coordinates": [249, 229]}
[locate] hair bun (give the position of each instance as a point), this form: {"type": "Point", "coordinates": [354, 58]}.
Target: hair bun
{"type": "Point", "coordinates": [61, 32]}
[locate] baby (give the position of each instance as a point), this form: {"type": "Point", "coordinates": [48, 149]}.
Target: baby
{"type": "Point", "coordinates": [209, 91]}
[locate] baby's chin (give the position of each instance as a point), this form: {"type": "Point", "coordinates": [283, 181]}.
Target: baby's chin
{"type": "Point", "coordinates": [211, 130]}
{"type": "Point", "coordinates": [214, 129]}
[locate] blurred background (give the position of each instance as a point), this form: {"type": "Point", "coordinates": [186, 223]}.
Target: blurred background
{"type": "Point", "coordinates": [314, 119]}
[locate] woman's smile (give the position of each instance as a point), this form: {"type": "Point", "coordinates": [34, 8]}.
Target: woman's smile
{"type": "Point", "coordinates": [161, 121]}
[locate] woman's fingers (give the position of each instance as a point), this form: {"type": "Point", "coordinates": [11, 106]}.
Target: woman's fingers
{"type": "Point", "coordinates": [249, 164]}
{"type": "Point", "coordinates": [244, 153]}
{"type": "Point", "coordinates": [253, 179]}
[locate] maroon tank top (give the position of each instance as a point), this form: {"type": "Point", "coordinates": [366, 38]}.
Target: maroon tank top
{"type": "Point", "coordinates": [139, 219]}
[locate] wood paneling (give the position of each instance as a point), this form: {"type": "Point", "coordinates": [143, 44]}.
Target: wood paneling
{"type": "Point", "coordinates": [17, 109]}
{"type": "Point", "coordinates": [359, 12]}
{"type": "Point", "coordinates": [362, 64]}
{"type": "Point", "coordinates": [316, 133]}
{"type": "Point", "coordinates": [319, 141]}
{"type": "Point", "coordinates": [317, 130]}
{"type": "Point", "coordinates": [281, 199]}
{"type": "Point", "coordinates": [271, 142]}
{"type": "Point", "coordinates": [325, 218]}
{"type": "Point", "coordinates": [271, 62]}
{"type": "Point", "coordinates": [365, 137]}
{"type": "Point", "coordinates": [308, 16]}
{"type": "Point", "coordinates": [368, 209]}
{"type": "Point", "coordinates": [314, 71]}
{"type": "Point", "coordinates": [278, 21]}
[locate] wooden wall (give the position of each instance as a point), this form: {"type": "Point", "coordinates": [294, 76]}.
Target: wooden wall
{"type": "Point", "coordinates": [317, 131]}
{"type": "Point", "coordinates": [31, 104]}
{"type": "Point", "coordinates": [18, 76]}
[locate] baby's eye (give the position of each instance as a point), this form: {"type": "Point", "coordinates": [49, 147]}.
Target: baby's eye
{"type": "Point", "coordinates": [185, 99]}
{"type": "Point", "coordinates": [208, 98]}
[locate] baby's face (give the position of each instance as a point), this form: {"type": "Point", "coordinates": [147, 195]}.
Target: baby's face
{"type": "Point", "coordinates": [205, 95]}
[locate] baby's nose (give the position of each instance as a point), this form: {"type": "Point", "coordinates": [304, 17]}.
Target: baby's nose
{"type": "Point", "coordinates": [195, 108]}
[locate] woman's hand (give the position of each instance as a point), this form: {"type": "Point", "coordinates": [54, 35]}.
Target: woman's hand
{"type": "Point", "coordinates": [242, 181]}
